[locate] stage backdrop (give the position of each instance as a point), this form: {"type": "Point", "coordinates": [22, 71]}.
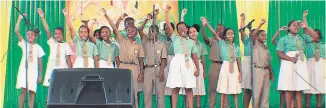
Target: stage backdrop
{"type": "Point", "coordinates": [277, 14]}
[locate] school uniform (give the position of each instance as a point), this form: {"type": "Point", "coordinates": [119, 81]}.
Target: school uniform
{"type": "Point", "coordinates": [214, 71]}
{"type": "Point", "coordinates": [170, 50]}
{"type": "Point", "coordinates": [137, 37]}
{"type": "Point", "coordinates": [129, 54]}
{"type": "Point", "coordinates": [153, 51]}
{"type": "Point", "coordinates": [316, 66]}
{"type": "Point", "coordinates": [228, 82]}
{"type": "Point", "coordinates": [246, 67]}
{"type": "Point", "coordinates": [107, 53]}
{"type": "Point", "coordinates": [85, 52]}
{"type": "Point", "coordinates": [200, 85]}
{"type": "Point", "coordinates": [182, 67]}
{"type": "Point", "coordinates": [34, 51]}
{"type": "Point", "coordinates": [57, 58]}
{"type": "Point", "coordinates": [261, 59]}
{"type": "Point", "coordinates": [289, 79]}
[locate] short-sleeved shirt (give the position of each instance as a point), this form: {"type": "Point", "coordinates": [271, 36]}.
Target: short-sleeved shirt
{"type": "Point", "coordinates": [225, 50]}
{"type": "Point", "coordinates": [177, 45]}
{"type": "Point", "coordinates": [156, 49]}
{"type": "Point", "coordinates": [38, 52]}
{"type": "Point", "coordinates": [104, 51]}
{"type": "Point", "coordinates": [65, 50]}
{"type": "Point", "coordinates": [91, 47]}
{"type": "Point", "coordinates": [214, 54]}
{"type": "Point", "coordinates": [130, 51]}
{"type": "Point", "coordinates": [288, 43]}
{"type": "Point", "coordinates": [201, 49]}
{"type": "Point", "coordinates": [246, 42]}
{"type": "Point", "coordinates": [261, 55]}
{"type": "Point", "coordinates": [311, 48]}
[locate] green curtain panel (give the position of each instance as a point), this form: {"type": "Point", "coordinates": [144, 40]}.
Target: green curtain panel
{"type": "Point", "coordinates": [54, 17]}
{"type": "Point", "coordinates": [280, 14]}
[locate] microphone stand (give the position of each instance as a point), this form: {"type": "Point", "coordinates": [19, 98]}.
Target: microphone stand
{"type": "Point", "coordinates": [36, 30]}
{"type": "Point", "coordinates": [155, 57]}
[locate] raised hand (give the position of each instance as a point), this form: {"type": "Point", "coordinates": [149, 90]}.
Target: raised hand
{"type": "Point", "coordinates": [149, 16]}
{"type": "Point", "coordinates": [168, 8]}
{"type": "Point", "coordinates": [262, 21]}
{"type": "Point", "coordinates": [40, 12]}
{"type": "Point", "coordinates": [65, 12]}
{"type": "Point", "coordinates": [156, 11]}
{"type": "Point", "coordinates": [123, 16]}
{"type": "Point", "coordinates": [103, 11]}
{"type": "Point", "coordinates": [203, 21]}
{"type": "Point", "coordinates": [305, 13]}
{"type": "Point", "coordinates": [304, 25]}
{"type": "Point", "coordinates": [242, 16]}
{"type": "Point", "coordinates": [21, 17]}
{"type": "Point", "coordinates": [184, 12]}
{"type": "Point", "coordinates": [283, 28]}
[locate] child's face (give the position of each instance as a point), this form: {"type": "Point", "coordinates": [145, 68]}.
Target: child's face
{"type": "Point", "coordinates": [31, 36]}
{"type": "Point", "coordinates": [294, 27]}
{"type": "Point", "coordinates": [58, 35]}
{"type": "Point", "coordinates": [166, 30]}
{"type": "Point", "coordinates": [83, 32]}
{"type": "Point", "coordinates": [219, 30]}
{"type": "Point", "coordinates": [182, 30]}
{"type": "Point", "coordinates": [152, 33]}
{"type": "Point", "coordinates": [105, 34]}
{"type": "Point", "coordinates": [193, 33]}
{"type": "Point", "coordinates": [230, 35]}
{"type": "Point", "coordinates": [131, 31]}
{"type": "Point", "coordinates": [262, 37]}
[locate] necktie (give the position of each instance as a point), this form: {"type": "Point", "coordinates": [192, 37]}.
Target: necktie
{"type": "Point", "coordinates": [109, 53]}
{"type": "Point", "coordinates": [85, 54]}
{"type": "Point", "coordinates": [317, 52]}
{"type": "Point", "coordinates": [301, 54]}
{"type": "Point", "coordinates": [57, 62]}
{"type": "Point", "coordinates": [185, 51]}
{"type": "Point", "coordinates": [232, 58]}
{"type": "Point", "coordinates": [31, 53]}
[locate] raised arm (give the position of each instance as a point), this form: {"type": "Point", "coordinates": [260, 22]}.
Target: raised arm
{"type": "Point", "coordinates": [141, 28]}
{"type": "Point", "coordinates": [91, 30]}
{"type": "Point", "coordinates": [304, 19]}
{"type": "Point", "coordinates": [115, 29]}
{"type": "Point", "coordinates": [18, 26]}
{"type": "Point", "coordinates": [204, 22]}
{"type": "Point", "coordinates": [184, 12]}
{"type": "Point", "coordinates": [306, 28]}
{"type": "Point", "coordinates": [242, 24]}
{"type": "Point", "coordinates": [255, 33]}
{"type": "Point", "coordinates": [203, 31]}
{"type": "Point", "coordinates": [45, 24]}
{"type": "Point", "coordinates": [278, 34]}
{"type": "Point", "coordinates": [167, 19]}
{"type": "Point", "coordinates": [155, 15]}
{"type": "Point", "coordinates": [70, 25]}
{"type": "Point", "coordinates": [122, 17]}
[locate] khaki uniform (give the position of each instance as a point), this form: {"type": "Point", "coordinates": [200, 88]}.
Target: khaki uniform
{"type": "Point", "coordinates": [150, 77]}
{"type": "Point", "coordinates": [261, 84]}
{"type": "Point", "coordinates": [214, 71]}
{"type": "Point", "coordinates": [129, 54]}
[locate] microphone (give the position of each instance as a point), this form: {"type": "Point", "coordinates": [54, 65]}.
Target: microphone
{"type": "Point", "coordinates": [25, 19]}
{"type": "Point", "coordinates": [249, 26]}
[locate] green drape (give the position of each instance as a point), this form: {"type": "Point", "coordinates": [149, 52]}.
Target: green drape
{"type": "Point", "coordinates": [280, 14]}
{"type": "Point", "coordinates": [54, 17]}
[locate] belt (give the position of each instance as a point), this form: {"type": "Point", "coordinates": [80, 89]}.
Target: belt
{"type": "Point", "coordinates": [150, 66]}
{"type": "Point", "coordinates": [261, 67]}
{"type": "Point", "coordinates": [219, 62]}
{"type": "Point", "coordinates": [130, 63]}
